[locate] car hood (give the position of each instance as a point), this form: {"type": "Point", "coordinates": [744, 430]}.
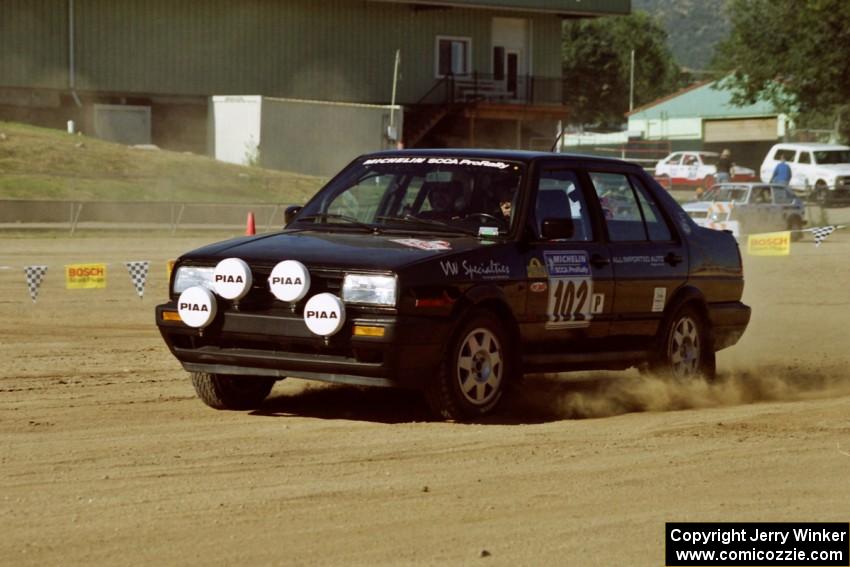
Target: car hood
{"type": "Point", "coordinates": [364, 251]}
{"type": "Point", "coordinates": [697, 206]}
{"type": "Point", "coordinates": [740, 170]}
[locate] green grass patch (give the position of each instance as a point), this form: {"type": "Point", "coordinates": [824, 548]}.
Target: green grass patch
{"type": "Point", "coordinates": [45, 164]}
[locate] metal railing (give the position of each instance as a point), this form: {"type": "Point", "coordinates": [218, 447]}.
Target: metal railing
{"type": "Point", "coordinates": [134, 215]}
{"type": "Point", "coordinates": [486, 87]}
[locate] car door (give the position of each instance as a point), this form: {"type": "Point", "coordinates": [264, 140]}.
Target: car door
{"type": "Point", "coordinates": [691, 165]}
{"type": "Point", "coordinates": [671, 166]}
{"type": "Point", "coordinates": [649, 258]}
{"type": "Point", "coordinates": [801, 169]}
{"type": "Point", "coordinates": [787, 205]}
{"type": "Point", "coordinates": [570, 280]}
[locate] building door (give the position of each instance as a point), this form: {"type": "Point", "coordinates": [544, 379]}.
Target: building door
{"type": "Point", "coordinates": [512, 69]}
{"type": "Point", "coordinates": [510, 54]}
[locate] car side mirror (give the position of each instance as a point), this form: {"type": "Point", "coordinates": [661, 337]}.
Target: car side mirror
{"type": "Point", "coordinates": [557, 229]}
{"type": "Point", "coordinates": [290, 213]}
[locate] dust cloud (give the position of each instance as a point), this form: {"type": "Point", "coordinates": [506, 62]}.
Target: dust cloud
{"type": "Point", "coordinates": [554, 396]}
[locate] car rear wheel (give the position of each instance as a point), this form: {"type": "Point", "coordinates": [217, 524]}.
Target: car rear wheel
{"type": "Point", "coordinates": [226, 392]}
{"type": "Point", "coordinates": [685, 351]}
{"type": "Point", "coordinates": [795, 225]}
{"type": "Point", "coordinates": [474, 372]}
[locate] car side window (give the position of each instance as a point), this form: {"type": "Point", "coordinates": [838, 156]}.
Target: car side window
{"type": "Point", "coordinates": [656, 226]}
{"type": "Point", "coordinates": [804, 157]}
{"type": "Point", "coordinates": [559, 196]}
{"type": "Point", "coordinates": [674, 159]}
{"type": "Point", "coordinates": [782, 196]}
{"type": "Point", "coordinates": [619, 206]}
{"type": "Point", "coordinates": [760, 196]}
{"type": "Point", "coordinates": [787, 154]}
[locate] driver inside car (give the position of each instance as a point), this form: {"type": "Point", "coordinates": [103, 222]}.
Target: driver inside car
{"type": "Point", "coordinates": [442, 198]}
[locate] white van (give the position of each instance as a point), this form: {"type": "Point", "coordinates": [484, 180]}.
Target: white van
{"type": "Point", "coordinates": [819, 171]}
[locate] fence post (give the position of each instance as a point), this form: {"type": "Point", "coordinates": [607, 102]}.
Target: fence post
{"type": "Point", "coordinates": [76, 217]}
{"type": "Point", "coordinates": [179, 216]}
{"type": "Point", "coordinates": [271, 217]}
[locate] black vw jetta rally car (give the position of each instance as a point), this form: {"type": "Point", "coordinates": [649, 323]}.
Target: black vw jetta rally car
{"type": "Point", "coordinates": [455, 272]}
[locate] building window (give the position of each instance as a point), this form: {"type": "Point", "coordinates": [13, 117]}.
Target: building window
{"type": "Point", "coordinates": [454, 56]}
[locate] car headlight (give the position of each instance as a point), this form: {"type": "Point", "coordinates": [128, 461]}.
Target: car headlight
{"type": "Point", "coordinates": [188, 276]}
{"type": "Point", "coordinates": [371, 290]}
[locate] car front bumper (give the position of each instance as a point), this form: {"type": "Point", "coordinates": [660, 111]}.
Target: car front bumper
{"type": "Point", "coordinates": [278, 344]}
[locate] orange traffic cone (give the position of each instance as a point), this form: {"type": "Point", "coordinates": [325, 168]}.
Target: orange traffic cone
{"type": "Point", "coordinates": [250, 229]}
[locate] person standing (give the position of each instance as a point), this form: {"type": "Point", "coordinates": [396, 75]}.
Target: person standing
{"type": "Point", "coordinates": [782, 172]}
{"type": "Point", "coordinates": [724, 167]}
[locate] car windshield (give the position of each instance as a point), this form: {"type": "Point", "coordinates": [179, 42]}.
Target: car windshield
{"type": "Point", "coordinates": [709, 159]}
{"type": "Point", "coordinates": [725, 193]}
{"type": "Point", "coordinates": [420, 193]}
{"type": "Point", "coordinates": [827, 157]}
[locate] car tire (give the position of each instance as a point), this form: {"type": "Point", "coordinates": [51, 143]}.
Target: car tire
{"type": "Point", "coordinates": [224, 392]}
{"type": "Point", "coordinates": [474, 373]}
{"type": "Point", "coordinates": [821, 194]}
{"type": "Point", "coordinates": [795, 225]}
{"type": "Point", "coordinates": [685, 350]}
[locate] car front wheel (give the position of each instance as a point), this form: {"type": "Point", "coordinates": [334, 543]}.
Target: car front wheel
{"type": "Point", "coordinates": [821, 194]}
{"type": "Point", "coordinates": [226, 392]}
{"type": "Point", "coordinates": [474, 372]}
{"type": "Point", "coordinates": [685, 351]}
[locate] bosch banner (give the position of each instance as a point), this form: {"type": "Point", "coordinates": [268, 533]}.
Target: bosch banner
{"type": "Point", "coordinates": [85, 276]}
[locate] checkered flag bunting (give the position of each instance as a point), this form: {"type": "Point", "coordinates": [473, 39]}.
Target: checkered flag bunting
{"type": "Point", "coordinates": [138, 275]}
{"type": "Point", "coordinates": [820, 233]}
{"type": "Point", "coordinates": [35, 274]}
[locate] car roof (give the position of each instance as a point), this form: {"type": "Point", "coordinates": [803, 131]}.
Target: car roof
{"type": "Point", "coordinates": [813, 146]}
{"type": "Point", "coordinates": [747, 185]}
{"type": "Point", "coordinates": [516, 155]}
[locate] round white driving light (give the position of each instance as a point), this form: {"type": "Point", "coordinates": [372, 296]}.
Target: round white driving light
{"type": "Point", "coordinates": [197, 307]}
{"type": "Point", "coordinates": [232, 278]}
{"type": "Point", "coordinates": [324, 314]}
{"type": "Point", "coordinates": [289, 281]}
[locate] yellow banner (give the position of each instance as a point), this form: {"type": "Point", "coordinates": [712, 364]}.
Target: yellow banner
{"type": "Point", "coordinates": [85, 276]}
{"type": "Point", "coordinates": [769, 244]}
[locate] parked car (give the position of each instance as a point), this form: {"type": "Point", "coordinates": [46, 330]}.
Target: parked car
{"type": "Point", "coordinates": [695, 169]}
{"type": "Point", "coordinates": [455, 272]}
{"type": "Point", "coordinates": [749, 208]}
{"type": "Point", "coordinates": [820, 172]}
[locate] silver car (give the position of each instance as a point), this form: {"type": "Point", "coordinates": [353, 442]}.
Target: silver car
{"type": "Point", "coordinates": [749, 208]}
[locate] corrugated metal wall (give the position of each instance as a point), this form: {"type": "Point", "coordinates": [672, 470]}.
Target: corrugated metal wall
{"type": "Point", "coordinates": [333, 50]}
{"type": "Point", "coordinates": [320, 138]}
{"type": "Point", "coordinates": [33, 43]}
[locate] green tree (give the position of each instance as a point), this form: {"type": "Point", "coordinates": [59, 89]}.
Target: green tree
{"type": "Point", "coordinates": [596, 62]}
{"type": "Point", "coordinates": [794, 53]}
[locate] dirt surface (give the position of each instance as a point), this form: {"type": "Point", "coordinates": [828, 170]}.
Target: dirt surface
{"type": "Point", "coordinates": [108, 458]}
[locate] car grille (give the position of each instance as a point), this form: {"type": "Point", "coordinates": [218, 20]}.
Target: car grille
{"type": "Point", "coordinates": [261, 299]}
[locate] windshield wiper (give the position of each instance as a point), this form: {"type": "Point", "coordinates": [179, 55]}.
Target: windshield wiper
{"type": "Point", "coordinates": [429, 222]}
{"type": "Point", "coordinates": [345, 218]}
